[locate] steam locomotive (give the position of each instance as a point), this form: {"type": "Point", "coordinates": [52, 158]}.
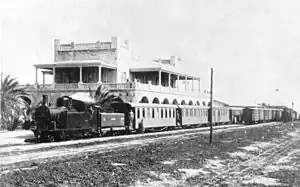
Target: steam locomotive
{"type": "Point", "coordinates": [71, 118]}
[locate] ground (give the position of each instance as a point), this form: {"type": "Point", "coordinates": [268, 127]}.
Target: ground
{"type": "Point", "coordinates": [257, 155]}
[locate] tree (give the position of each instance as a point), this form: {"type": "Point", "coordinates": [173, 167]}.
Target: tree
{"type": "Point", "coordinates": [11, 102]}
{"type": "Point", "coordinates": [103, 98]}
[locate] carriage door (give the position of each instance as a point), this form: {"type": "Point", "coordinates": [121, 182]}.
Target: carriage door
{"type": "Point", "coordinates": [178, 117]}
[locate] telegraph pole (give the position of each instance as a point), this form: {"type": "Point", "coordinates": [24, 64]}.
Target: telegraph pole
{"type": "Point", "coordinates": [211, 105]}
{"type": "Point", "coordinates": [292, 112]}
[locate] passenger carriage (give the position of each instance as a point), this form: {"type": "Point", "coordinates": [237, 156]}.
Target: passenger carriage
{"type": "Point", "coordinates": [153, 115]}
{"type": "Point", "coordinates": [193, 115]}
{"type": "Point", "coordinates": [220, 115]}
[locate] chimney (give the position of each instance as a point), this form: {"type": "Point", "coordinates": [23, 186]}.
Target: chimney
{"type": "Point", "coordinates": [115, 42]}
{"type": "Point", "coordinates": [173, 60]}
{"type": "Point", "coordinates": [56, 48]}
{"type": "Point", "coordinates": [45, 100]}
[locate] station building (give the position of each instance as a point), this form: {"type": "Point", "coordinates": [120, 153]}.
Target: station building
{"type": "Point", "coordinates": [82, 67]}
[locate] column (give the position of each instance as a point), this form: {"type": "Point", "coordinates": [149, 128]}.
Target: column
{"type": "Point", "coordinates": [178, 82]}
{"type": "Point", "coordinates": [80, 74]}
{"type": "Point", "coordinates": [43, 79]}
{"type": "Point", "coordinates": [192, 84]}
{"type": "Point", "coordinates": [100, 79]}
{"type": "Point", "coordinates": [159, 78]}
{"type": "Point", "coordinates": [169, 83]}
{"type": "Point", "coordinates": [53, 71]}
{"type": "Point", "coordinates": [199, 85]}
{"type": "Point", "coordinates": [36, 76]}
{"type": "Point", "coordinates": [185, 82]}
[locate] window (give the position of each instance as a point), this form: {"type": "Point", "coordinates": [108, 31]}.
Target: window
{"type": "Point", "coordinates": [138, 113]}
{"type": "Point", "coordinates": [90, 74]}
{"type": "Point", "coordinates": [153, 113]}
{"type": "Point", "coordinates": [162, 113]}
{"type": "Point", "coordinates": [173, 113]}
{"type": "Point", "coordinates": [67, 75]}
{"type": "Point", "coordinates": [186, 112]}
{"type": "Point", "coordinates": [166, 112]}
{"type": "Point", "coordinates": [143, 112]}
{"type": "Point", "coordinates": [170, 112]}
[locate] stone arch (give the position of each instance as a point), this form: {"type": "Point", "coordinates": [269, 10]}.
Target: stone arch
{"type": "Point", "coordinates": [155, 100]}
{"type": "Point", "coordinates": [175, 102]}
{"type": "Point", "coordinates": [166, 101]}
{"type": "Point", "coordinates": [144, 100]}
{"type": "Point", "coordinates": [183, 102]}
{"type": "Point", "coordinates": [190, 102]}
{"type": "Point", "coordinates": [198, 103]}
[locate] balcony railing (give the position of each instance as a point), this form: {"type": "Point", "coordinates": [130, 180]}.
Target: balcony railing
{"type": "Point", "coordinates": [66, 86]}
{"type": "Point", "coordinates": [117, 86]}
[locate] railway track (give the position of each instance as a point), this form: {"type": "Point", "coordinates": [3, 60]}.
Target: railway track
{"type": "Point", "coordinates": [66, 150]}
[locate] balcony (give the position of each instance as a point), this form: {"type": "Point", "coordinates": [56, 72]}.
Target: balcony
{"type": "Point", "coordinates": [128, 86]}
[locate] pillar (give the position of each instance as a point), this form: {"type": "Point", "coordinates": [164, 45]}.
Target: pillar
{"type": "Point", "coordinates": [36, 75]}
{"type": "Point", "coordinates": [99, 74]}
{"type": "Point", "coordinates": [185, 82]}
{"type": "Point", "coordinates": [169, 83]}
{"type": "Point", "coordinates": [199, 85]}
{"type": "Point", "coordinates": [80, 74]}
{"type": "Point", "coordinates": [192, 84]}
{"type": "Point", "coordinates": [43, 79]}
{"type": "Point", "coordinates": [53, 70]}
{"type": "Point", "coordinates": [178, 82]}
{"type": "Point", "coordinates": [159, 78]}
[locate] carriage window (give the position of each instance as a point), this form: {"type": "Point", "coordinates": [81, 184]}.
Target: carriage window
{"type": "Point", "coordinates": [174, 113]}
{"type": "Point", "coordinates": [138, 113]}
{"type": "Point", "coordinates": [162, 113]}
{"type": "Point", "coordinates": [143, 112]}
{"type": "Point", "coordinates": [153, 113]}
{"type": "Point", "coordinates": [166, 112]}
{"type": "Point", "coordinates": [186, 112]}
{"type": "Point", "coordinates": [170, 112]}
{"type": "Point", "coordinates": [191, 112]}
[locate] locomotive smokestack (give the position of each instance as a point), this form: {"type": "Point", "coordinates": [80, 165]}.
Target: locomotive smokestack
{"type": "Point", "coordinates": [45, 100]}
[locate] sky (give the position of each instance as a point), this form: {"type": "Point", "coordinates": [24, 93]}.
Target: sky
{"type": "Point", "coordinates": [253, 46]}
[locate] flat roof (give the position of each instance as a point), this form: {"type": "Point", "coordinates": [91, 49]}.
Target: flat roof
{"type": "Point", "coordinates": [77, 63]}
{"type": "Point", "coordinates": [161, 69]}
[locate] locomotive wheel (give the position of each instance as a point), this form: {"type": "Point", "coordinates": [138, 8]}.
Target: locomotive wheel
{"type": "Point", "coordinates": [51, 138]}
{"type": "Point", "coordinates": [62, 135]}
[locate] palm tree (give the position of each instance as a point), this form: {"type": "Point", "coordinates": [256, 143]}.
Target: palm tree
{"type": "Point", "coordinates": [103, 98]}
{"type": "Point", "coordinates": [11, 102]}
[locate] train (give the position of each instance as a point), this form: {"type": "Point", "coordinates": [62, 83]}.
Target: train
{"type": "Point", "coordinates": [71, 117]}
